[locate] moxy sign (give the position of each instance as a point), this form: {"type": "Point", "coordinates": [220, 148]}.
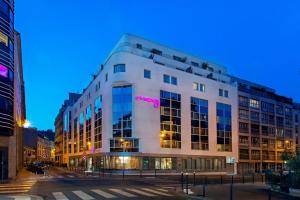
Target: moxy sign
{"type": "Point", "coordinates": [154, 101]}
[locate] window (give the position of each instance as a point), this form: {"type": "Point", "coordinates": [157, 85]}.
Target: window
{"type": "Point", "coordinates": [3, 39]}
{"type": "Point", "coordinates": [279, 109]}
{"type": "Point", "coordinates": [223, 93]}
{"type": "Point", "coordinates": [97, 86]}
{"type": "Point", "coordinates": [243, 101]}
{"type": "Point", "coordinates": [166, 78]}
{"type": "Point", "coordinates": [254, 103]}
{"type": "Point", "coordinates": [195, 64]}
{"type": "Point", "coordinates": [147, 74]}
{"type": "Point", "coordinates": [4, 10]}
{"type": "Point", "coordinates": [81, 122]}
{"type": "Point", "coordinates": [224, 129]}
{"type": "Point", "coordinates": [88, 126]}
{"type": "Point", "coordinates": [98, 122]}
{"type": "Point", "coordinates": [173, 80]}
{"type": "Point", "coordinates": [170, 120]}
{"type": "Point", "coordinates": [119, 68]}
{"type": "Point", "coordinates": [243, 114]}
{"type": "Point", "coordinates": [3, 71]}
{"type": "Point", "coordinates": [106, 77]}
{"type": "Point", "coordinates": [220, 92]}
{"type": "Point", "coordinates": [122, 111]}
{"type": "Point", "coordinates": [75, 135]}
{"type": "Point", "coordinates": [139, 46]}
{"type": "Point", "coordinates": [170, 79]}
{"type": "Point", "coordinates": [243, 127]}
{"type": "Point", "coordinates": [254, 116]}
{"type": "Point", "coordinates": [199, 87]}
{"type": "Point", "coordinates": [199, 124]}
{"type": "Point", "coordinates": [255, 129]}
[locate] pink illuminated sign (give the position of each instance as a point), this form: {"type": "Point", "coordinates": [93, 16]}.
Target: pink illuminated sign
{"type": "Point", "coordinates": [148, 99]}
{"type": "Point", "coordinates": [3, 71]}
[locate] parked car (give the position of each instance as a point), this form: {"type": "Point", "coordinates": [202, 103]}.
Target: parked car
{"type": "Point", "coordinates": [36, 168]}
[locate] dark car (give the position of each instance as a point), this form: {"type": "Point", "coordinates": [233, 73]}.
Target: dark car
{"type": "Point", "coordinates": [36, 168]}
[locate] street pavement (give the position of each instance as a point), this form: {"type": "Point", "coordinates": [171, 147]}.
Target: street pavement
{"type": "Point", "coordinates": [62, 184]}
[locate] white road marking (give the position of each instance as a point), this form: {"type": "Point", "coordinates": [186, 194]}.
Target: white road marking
{"type": "Point", "coordinates": [70, 176]}
{"type": "Point", "coordinates": [189, 191]}
{"type": "Point", "coordinates": [59, 196]}
{"type": "Point", "coordinates": [127, 194]}
{"type": "Point", "coordinates": [163, 190]}
{"type": "Point", "coordinates": [141, 192]}
{"type": "Point", "coordinates": [13, 191]}
{"type": "Point", "coordinates": [83, 195]}
{"type": "Point", "coordinates": [157, 192]}
{"type": "Point", "coordinates": [104, 194]}
{"type": "Point", "coordinates": [21, 197]}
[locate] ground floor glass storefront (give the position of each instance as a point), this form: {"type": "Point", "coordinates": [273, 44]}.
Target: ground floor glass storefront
{"type": "Point", "coordinates": [257, 167]}
{"type": "Point", "coordinates": [98, 162]}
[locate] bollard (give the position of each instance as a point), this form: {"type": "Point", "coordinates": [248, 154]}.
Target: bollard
{"type": "Point", "coordinates": [253, 178]}
{"type": "Point", "coordinates": [243, 178]}
{"type": "Point", "coordinates": [269, 194]}
{"type": "Point", "coordinates": [123, 173]}
{"type": "Point", "coordinates": [231, 191]}
{"type": "Point", "coordinates": [262, 178]}
{"type": "Point", "coordinates": [154, 172]}
{"type": "Point", "coordinates": [182, 181]}
{"type": "Point", "coordinates": [187, 183]}
{"type": "Point", "coordinates": [221, 179]}
{"type": "Point", "coordinates": [194, 178]}
{"type": "Point", "coordinates": [140, 173]}
{"type": "Point", "coordinates": [232, 179]}
{"type": "Point", "coordinates": [203, 190]}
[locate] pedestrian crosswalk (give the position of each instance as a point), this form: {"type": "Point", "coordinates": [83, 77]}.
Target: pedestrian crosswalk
{"type": "Point", "coordinates": [113, 193]}
{"type": "Point", "coordinates": [14, 188]}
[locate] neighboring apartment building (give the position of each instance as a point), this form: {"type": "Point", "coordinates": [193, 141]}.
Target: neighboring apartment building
{"type": "Point", "coordinates": [38, 145]}
{"type": "Point", "coordinates": [152, 107]}
{"type": "Point", "coordinates": [297, 125]}
{"type": "Point", "coordinates": [12, 98]}
{"type": "Point", "coordinates": [44, 148]}
{"type": "Point", "coordinates": [266, 127]}
{"type": "Point", "coordinates": [73, 97]}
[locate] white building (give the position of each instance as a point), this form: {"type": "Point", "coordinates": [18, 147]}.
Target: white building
{"type": "Point", "coordinates": [153, 107]}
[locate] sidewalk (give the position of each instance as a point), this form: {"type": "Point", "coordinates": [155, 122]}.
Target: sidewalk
{"type": "Point", "coordinates": [247, 191]}
{"type": "Point", "coordinates": [27, 175]}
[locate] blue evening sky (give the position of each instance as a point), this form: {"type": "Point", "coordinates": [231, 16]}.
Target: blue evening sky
{"type": "Point", "coordinates": [65, 41]}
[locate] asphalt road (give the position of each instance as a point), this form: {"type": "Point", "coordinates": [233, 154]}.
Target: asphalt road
{"type": "Point", "coordinates": [67, 185]}
{"type": "Point", "coordinates": [64, 185]}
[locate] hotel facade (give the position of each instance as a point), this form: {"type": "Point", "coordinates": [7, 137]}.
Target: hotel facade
{"type": "Point", "coordinates": [152, 107]}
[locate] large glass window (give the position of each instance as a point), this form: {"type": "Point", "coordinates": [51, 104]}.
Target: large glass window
{"type": "Point", "coordinates": [119, 68]}
{"type": "Point", "coordinates": [170, 120]}
{"type": "Point", "coordinates": [199, 123]}
{"type": "Point", "coordinates": [88, 126]}
{"type": "Point", "coordinates": [98, 122]}
{"type": "Point", "coordinates": [4, 10]}
{"type": "Point", "coordinates": [75, 135]}
{"type": "Point", "coordinates": [122, 111]}
{"type": "Point", "coordinates": [81, 122]}
{"type": "Point", "coordinates": [6, 106]}
{"type": "Point", "coordinates": [224, 129]}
